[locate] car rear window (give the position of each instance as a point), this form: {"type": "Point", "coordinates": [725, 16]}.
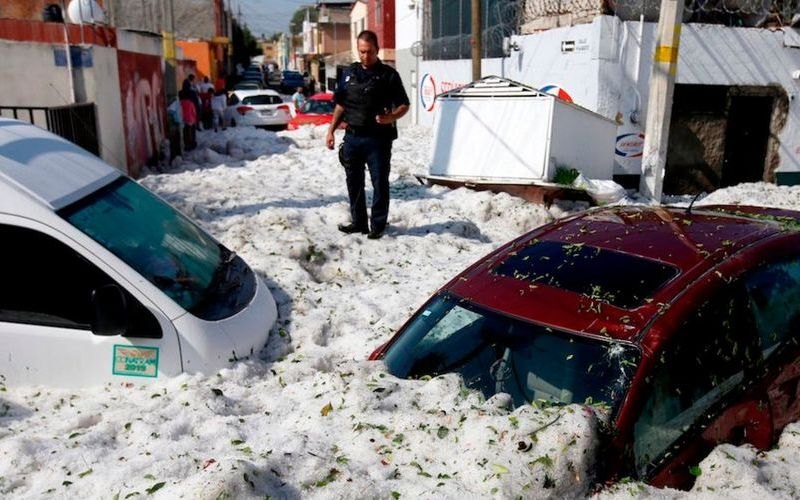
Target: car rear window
{"type": "Point", "coordinates": [319, 107]}
{"type": "Point", "coordinates": [262, 99]}
{"type": "Point", "coordinates": [619, 279]}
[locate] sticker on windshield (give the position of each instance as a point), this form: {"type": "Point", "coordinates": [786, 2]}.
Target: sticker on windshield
{"type": "Point", "coordinates": [135, 361]}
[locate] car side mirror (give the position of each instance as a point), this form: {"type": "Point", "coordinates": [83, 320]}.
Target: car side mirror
{"type": "Point", "coordinates": [109, 311]}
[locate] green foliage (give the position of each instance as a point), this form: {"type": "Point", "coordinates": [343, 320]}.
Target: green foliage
{"type": "Point", "coordinates": [296, 24]}
{"type": "Point", "coordinates": [565, 176]}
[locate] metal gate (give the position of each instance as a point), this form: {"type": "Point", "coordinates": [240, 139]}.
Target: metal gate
{"type": "Point", "coordinates": [76, 123]}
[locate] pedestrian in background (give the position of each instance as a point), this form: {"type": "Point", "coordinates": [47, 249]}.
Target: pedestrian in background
{"type": "Point", "coordinates": [190, 88]}
{"type": "Point", "coordinates": [298, 98]}
{"type": "Point", "coordinates": [189, 114]}
{"type": "Point", "coordinates": [370, 101]}
{"type": "Point", "coordinates": [206, 93]}
{"type": "Point", "coordinates": [218, 104]}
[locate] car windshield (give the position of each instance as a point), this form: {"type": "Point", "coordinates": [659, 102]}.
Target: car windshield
{"type": "Point", "coordinates": [318, 107]}
{"type": "Point", "coordinates": [165, 247]}
{"type": "Point", "coordinates": [261, 99]}
{"type": "Point", "coordinates": [495, 353]}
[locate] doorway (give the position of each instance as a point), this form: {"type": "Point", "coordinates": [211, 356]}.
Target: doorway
{"type": "Point", "coordinates": [721, 136]}
{"type": "Point", "coordinates": [746, 139]}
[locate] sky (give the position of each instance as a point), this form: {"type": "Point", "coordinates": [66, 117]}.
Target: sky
{"type": "Point", "coordinates": [268, 16]}
{"type": "Point", "coordinates": [310, 417]}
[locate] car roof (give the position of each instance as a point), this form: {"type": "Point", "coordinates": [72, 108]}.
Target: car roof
{"type": "Point", "coordinates": [242, 93]}
{"type": "Point", "coordinates": [321, 96]}
{"type": "Point", "coordinates": [44, 168]}
{"type": "Point", "coordinates": [659, 251]}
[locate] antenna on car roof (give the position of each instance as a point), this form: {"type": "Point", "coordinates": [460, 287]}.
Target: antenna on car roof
{"type": "Point", "coordinates": [689, 208]}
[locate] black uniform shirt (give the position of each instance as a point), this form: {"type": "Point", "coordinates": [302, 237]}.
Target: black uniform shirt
{"type": "Point", "coordinates": [366, 93]}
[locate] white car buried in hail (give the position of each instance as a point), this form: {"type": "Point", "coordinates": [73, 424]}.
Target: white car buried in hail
{"type": "Point", "coordinates": [257, 108]}
{"type": "Point", "coordinates": [102, 281]}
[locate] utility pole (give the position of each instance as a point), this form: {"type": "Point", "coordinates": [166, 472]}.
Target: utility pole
{"type": "Point", "coordinates": [229, 17]}
{"type": "Point", "coordinates": [659, 102]}
{"type": "Point", "coordinates": [476, 40]}
{"type": "Point", "coordinates": [168, 34]}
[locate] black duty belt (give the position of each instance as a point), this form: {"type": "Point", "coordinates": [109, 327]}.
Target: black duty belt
{"type": "Point", "coordinates": [367, 131]}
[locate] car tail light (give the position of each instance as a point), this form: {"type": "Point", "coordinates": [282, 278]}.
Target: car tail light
{"type": "Point", "coordinates": [242, 110]}
{"type": "Point", "coordinates": [284, 107]}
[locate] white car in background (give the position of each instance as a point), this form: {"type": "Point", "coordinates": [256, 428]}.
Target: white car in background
{"type": "Point", "coordinates": [104, 282]}
{"type": "Point", "coordinates": [257, 108]}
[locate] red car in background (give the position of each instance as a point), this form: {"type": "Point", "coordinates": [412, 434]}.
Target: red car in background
{"type": "Point", "coordinates": [317, 110]}
{"type": "Point", "coordinates": [684, 325]}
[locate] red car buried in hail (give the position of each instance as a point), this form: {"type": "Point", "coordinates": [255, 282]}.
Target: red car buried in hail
{"type": "Point", "coordinates": [684, 323]}
{"type": "Point", "coordinates": [317, 110]}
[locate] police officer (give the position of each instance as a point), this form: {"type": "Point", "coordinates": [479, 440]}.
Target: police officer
{"type": "Point", "coordinates": [370, 101]}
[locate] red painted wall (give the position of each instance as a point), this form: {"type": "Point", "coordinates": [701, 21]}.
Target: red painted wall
{"type": "Point", "coordinates": [384, 26]}
{"type": "Point", "coordinates": [19, 30]}
{"type": "Point", "coordinates": [143, 107]}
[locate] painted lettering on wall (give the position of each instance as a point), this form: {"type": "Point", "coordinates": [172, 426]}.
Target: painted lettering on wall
{"type": "Point", "coordinates": [427, 91]}
{"type": "Point", "coordinates": [629, 145]}
{"type": "Point", "coordinates": [429, 88]}
{"type": "Point", "coordinates": [143, 107]}
{"type": "Point", "coordinates": [557, 91]}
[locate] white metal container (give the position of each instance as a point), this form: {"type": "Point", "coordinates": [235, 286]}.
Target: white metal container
{"type": "Point", "coordinates": [502, 131]}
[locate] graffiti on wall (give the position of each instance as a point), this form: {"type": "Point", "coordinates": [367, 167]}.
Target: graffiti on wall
{"type": "Point", "coordinates": [143, 108]}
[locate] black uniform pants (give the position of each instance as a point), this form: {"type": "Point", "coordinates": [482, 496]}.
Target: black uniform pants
{"type": "Point", "coordinates": [376, 154]}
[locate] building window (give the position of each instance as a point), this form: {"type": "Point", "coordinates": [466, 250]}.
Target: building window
{"type": "Point", "coordinates": [378, 12]}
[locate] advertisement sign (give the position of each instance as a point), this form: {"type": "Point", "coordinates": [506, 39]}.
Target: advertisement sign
{"type": "Point", "coordinates": [427, 92]}
{"type": "Point", "coordinates": [557, 91]}
{"type": "Point", "coordinates": [629, 145]}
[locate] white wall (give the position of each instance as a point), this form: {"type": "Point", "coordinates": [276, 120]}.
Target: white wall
{"type": "Point", "coordinates": [407, 23]}
{"type": "Point", "coordinates": [141, 43]}
{"type": "Point", "coordinates": [101, 83]}
{"type": "Point", "coordinates": [33, 79]}
{"type": "Point", "coordinates": [601, 73]}
{"type": "Point", "coordinates": [539, 62]}
{"type": "Point", "coordinates": [31, 76]}
{"type": "Point", "coordinates": [408, 29]}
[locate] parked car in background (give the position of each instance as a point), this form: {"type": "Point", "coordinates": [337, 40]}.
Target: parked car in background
{"type": "Point", "coordinates": [317, 110]}
{"type": "Point", "coordinates": [257, 108]}
{"type": "Point", "coordinates": [290, 81]}
{"type": "Point", "coordinates": [682, 324]}
{"type": "Point", "coordinates": [274, 80]}
{"type": "Point", "coordinates": [254, 73]}
{"type": "Point", "coordinates": [248, 85]}
{"type": "Point", "coordinates": [105, 282]}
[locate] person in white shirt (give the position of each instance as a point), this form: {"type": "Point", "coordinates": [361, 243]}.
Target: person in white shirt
{"type": "Point", "coordinates": [218, 104]}
{"type": "Point", "coordinates": [298, 98]}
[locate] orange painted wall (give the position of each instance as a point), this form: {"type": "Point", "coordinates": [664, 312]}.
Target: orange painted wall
{"type": "Point", "coordinates": [202, 52]}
